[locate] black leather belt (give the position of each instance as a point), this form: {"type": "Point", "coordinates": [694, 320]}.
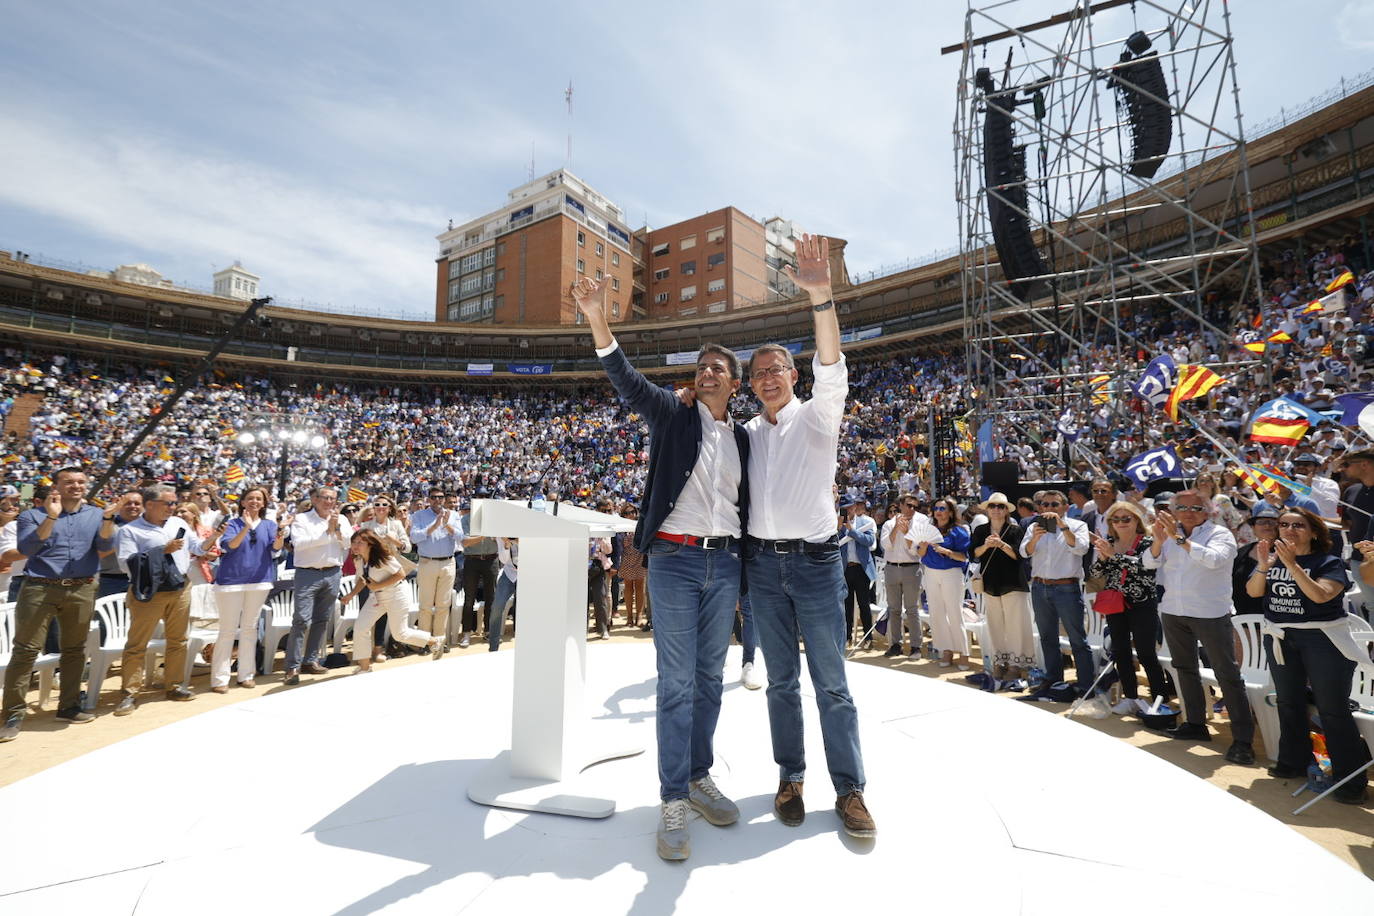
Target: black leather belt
{"type": "Point", "coordinates": [795, 545]}
{"type": "Point", "coordinates": [65, 583]}
{"type": "Point", "coordinates": [912, 563]}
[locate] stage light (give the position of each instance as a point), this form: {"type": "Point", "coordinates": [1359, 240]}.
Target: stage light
{"type": "Point", "coordinates": [247, 438]}
{"type": "Point", "coordinates": [317, 441]}
{"type": "Point", "coordinates": [283, 434]}
{"type": "Point", "coordinates": [298, 437]}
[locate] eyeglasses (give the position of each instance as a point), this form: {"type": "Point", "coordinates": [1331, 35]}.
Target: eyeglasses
{"type": "Point", "coordinates": [1190, 508]}
{"type": "Point", "coordinates": [1053, 505]}
{"type": "Point", "coordinates": [1002, 506]}
{"type": "Point", "coordinates": [940, 509]}
{"type": "Point", "coordinates": [1292, 524]}
{"type": "Point", "coordinates": [1122, 519]}
{"type": "Point", "coordinates": [766, 372]}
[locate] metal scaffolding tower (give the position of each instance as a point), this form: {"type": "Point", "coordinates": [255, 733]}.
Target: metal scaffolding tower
{"type": "Point", "coordinates": [1100, 177]}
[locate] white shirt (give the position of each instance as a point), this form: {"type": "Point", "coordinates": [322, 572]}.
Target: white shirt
{"type": "Point", "coordinates": [1196, 580]}
{"type": "Point", "coordinates": [9, 540]}
{"type": "Point", "coordinates": [1327, 494]}
{"type": "Point", "coordinates": [392, 529]}
{"type": "Point", "coordinates": [140, 535]}
{"type": "Point", "coordinates": [792, 462]}
{"type": "Point", "coordinates": [898, 549]}
{"type": "Point", "coordinates": [1053, 557]}
{"type": "Point", "coordinates": [314, 547]}
{"type": "Point", "coordinates": [707, 504]}
{"type": "Point", "coordinates": [508, 558]}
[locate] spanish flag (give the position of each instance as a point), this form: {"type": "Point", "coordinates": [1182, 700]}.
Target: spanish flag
{"type": "Point", "coordinates": [1278, 430]}
{"type": "Point", "coordinates": [1250, 340]}
{"type": "Point", "coordinates": [1279, 337]}
{"type": "Point", "coordinates": [1100, 388]}
{"type": "Point", "coordinates": [1193, 382]}
{"type": "Point", "coordinates": [1344, 278]}
{"type": "Point", "coordinates": [1327, 350]}
{"type": "Point", "coordinates": [234, 474]}
{"type": "Point", "coordinates": [356, 496]}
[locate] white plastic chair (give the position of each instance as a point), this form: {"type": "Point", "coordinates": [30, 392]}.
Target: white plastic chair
{"type": "Point", "coordinates": [345, 619]}
{"type": "Point", "coordinates": [278, 610]}
{"type": "Point", "coordinates": [977, 627]}
{"type": "Point", "coordinates": [196, 640]}
{"type": "Point", "coordinates": [114, 612]}
{"type": "Point", "coordinates": [1096, 634]}
{"type": "Point", "coordinates": [44, 664]}
{"type": "Point", "coordinates": [1259, 683]}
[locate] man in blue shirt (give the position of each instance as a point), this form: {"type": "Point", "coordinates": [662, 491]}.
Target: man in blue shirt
{"type": "Point", "coordinates": [437, 534]}
{"type": "Point", "coordinates": [63, 542]}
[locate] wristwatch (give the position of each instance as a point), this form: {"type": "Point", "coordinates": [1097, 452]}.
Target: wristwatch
{"type": "Point", "coordinates": [1180, 539]}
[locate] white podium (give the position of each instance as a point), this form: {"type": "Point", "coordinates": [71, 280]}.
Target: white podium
{"type": "Point", "coordinates": [551, 741]}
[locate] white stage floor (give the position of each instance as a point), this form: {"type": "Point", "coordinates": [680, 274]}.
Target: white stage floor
{"type": "Point", "coordinates": [349, 798]}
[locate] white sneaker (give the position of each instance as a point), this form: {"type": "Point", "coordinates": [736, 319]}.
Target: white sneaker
{"type": "Point", "coordinates": [1142, 707]}
{"type": "Point", "coordinates": [711, 803]}
{"type": "Point", "coordinates": [1125, 707]}
{"type": "Point", "coordinates": [674, 844]}
{"type": "Point", "coordinates": [749, 676]}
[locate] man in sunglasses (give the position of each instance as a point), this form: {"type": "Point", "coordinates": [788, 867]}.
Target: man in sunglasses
{"type": "Point", "coordinates": [1056, 545]}
{"type": "Point", "coordinates": [693, 513]}
{"type": "Point", "coordinates": [1194, 557]}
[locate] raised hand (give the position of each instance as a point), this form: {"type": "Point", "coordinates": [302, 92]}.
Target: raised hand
{"type": "Point", "coordinates": [813, 267]}
{"type": "Point", "coordinates": [1288, 556]}
{"type": "Point", "coordinates": [590, 296]}
{"type": "Point", "coordinates": [1264, 556]}
{"type": "Point", "coordinates": [1104, 546]}
{"type": "Point", "coordinates": [687, 396]}
{"type": "Point", "coordinates": [53, 504]}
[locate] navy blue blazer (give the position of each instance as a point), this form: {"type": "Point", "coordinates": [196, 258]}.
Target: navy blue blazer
{"type": "Point", "coordinates": [674, 443]}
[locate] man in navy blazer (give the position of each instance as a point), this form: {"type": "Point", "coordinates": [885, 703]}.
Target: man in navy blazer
{"type": "Point", "coordinates": [693, 513]}
{"type": "Point", "coordinates": [858, 536]}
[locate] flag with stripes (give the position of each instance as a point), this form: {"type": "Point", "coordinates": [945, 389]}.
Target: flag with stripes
{"type": "Point", "coordinates": [1331, 302]}
{"type": "Point", "coordinates": [1100, 389]}
{"type": "Point", "coordinates": [1279, 430]}
{"type": "Point", "coordinates": [1193, 382]}
{"type": "Point", "coordinates": [1279, 337]}
{"type": "Point", "coordinates": [1250, 340]}
{"type": "Point", "coordinates": [356, 496]}
{"type": "Point", "coordinates": [1343, 279]}
{"type": "Point", "coordinates": [234, 474]}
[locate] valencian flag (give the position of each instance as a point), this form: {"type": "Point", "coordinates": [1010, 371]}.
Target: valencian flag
{"type": "Point", "coordinates": [1193, 382]}
{"type": "Point", "coordinates": [1100, 388]}
{"type": "Point", "coordinates": [1344, 278]}
{"type": "Point", "coordinates": [1250, 340]}
{"type": "Point", "coordinates": [234, 474]}
{"type": "Point", "coordinates": [1268, 478]}
{"type": "Point", "coordinates": [356, 496]}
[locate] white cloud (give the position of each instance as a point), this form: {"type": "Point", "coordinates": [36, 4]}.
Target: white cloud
{"type": "Point", "coordinates": [1355, 25]}
{"type": "Point", "coordinates": [319, 243]}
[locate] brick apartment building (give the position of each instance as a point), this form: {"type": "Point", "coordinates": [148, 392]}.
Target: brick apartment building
{"type": "Point", "coordinates": [517, 264]}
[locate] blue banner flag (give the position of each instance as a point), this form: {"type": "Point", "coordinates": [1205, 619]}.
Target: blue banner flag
{"type": "Point", "coordinates": [1285, 408]}
{"type": "Point", "coordinates": [1153, 465]}
{"type": "Point", "coordinates": [1160, 377]}
{"type": "Point", "coordinates": [1358, 410]}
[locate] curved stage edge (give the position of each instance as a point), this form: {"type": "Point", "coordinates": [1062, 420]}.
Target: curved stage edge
{"type": "Point", "coordinates": [349, 797]}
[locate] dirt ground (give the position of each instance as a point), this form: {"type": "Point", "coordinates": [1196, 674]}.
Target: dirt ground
{"type": "Point", "coordinates": [1346, 831]}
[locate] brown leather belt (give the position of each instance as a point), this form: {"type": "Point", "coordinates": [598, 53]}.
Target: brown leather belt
{"type": "Point", "coordinates": [1069, 581]}
{"type": "Point", "coordinates": [65, 583]}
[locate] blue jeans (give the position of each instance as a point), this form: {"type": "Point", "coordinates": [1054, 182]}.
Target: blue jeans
{"type": "Point", "coordinates": [748, 637]}
{"type": "Point", "coordinates": [496, 614]}
{"type": "Point", "coordinates": [316, 593]}
{"type": "Point", "coordinates": [1053, 605]}
{"type": "Point", "coordinates": [693, 593]}
{"type": "Point", "coordinates": [801, 595]}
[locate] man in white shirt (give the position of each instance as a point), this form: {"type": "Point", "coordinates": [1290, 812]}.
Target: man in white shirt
{"type": "Point", "coordinates": [1193, 557]}
{"type": "Point", "coordinates": [148, 540]}
{"type": "Point", "coordinates": [1055, 545]}
{"type": "Point", "coordinates": [319, 541]}
{"type": "Point", "coordinates": [792, 555]}
{"type": "Point", "coordinates": [902, 578]}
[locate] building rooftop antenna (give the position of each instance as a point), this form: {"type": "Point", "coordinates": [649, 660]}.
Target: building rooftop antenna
{"type": "Point", "coordinates": [567, 97]}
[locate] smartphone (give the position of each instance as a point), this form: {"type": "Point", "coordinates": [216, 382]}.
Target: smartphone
{"type": "Point", "coordinates": [181, 533]}
{"type": "Point", "coordinates": [1046, 523]}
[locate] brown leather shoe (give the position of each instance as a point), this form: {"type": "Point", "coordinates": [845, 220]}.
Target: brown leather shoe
{"type": "Point", "coordinates": [852, 811]}
{"type": "Point", "coordinates": [788, 805]}
{"type": "Point", "coordinates": [314, 668]}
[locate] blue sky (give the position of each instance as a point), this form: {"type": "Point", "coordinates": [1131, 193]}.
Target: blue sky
{"type": "Point", "coordinates": [325, 145]}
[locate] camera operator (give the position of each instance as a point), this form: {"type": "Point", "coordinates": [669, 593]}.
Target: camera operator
{"type": "Point", "coordinates": [1056, 545]}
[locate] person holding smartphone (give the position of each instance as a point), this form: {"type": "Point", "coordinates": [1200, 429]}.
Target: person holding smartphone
{"type": "Point", "coordinates": [1056, 545]}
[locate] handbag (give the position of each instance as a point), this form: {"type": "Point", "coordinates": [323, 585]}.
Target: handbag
{"type": "Point", "coordinates": [1111, 600]}
{"type": "Point", "coordinates": [975, 583]}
